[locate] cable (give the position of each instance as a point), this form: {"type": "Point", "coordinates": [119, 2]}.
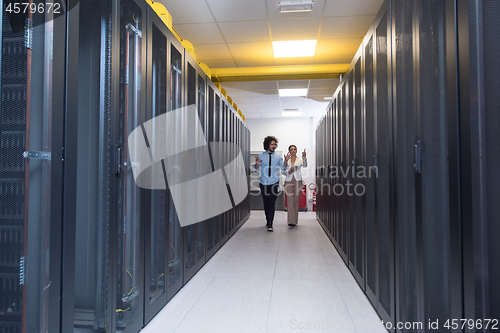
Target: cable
{"type": "Point", "coordinates": [157, 281]}
{"type": "Point", "coordinates": [133, 18]}
{"type": "Point", "coordinates": [132, 288]}
{"type": "Point", "coordinates": [120, 310]}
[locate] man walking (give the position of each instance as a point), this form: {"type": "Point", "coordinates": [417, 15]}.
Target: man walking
{"type": "Point", "coordinates": [271, 164]}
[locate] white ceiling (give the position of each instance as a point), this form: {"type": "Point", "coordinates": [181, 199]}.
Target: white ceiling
{"type": "Point", "coordinates": [239, 33]}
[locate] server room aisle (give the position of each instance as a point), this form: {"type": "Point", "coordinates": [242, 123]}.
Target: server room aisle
{"type": "Point", "coordinates": [288, 280]}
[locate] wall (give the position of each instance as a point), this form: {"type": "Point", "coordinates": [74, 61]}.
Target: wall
{"type": "Point", "coordinates": [296, 131]}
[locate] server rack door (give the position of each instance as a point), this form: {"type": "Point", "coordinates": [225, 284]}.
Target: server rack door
{"type": "Point", "coordinates": [371, 166]}
{"type": "Point", "coordinates": [240, 144]}
{"type": "Point", "coordinates": [322, 172]}
{"type": "Point", "coordinates": [435, 124]}
{"type": "Point", "coordinates": [407, 303]}
{"type": "Point", "coordinates": [334, 174]}
{"type": "Point", "coordinates": [384, 202]}
{"type": "Point", "coordinates": [91, 305]}
{"type": "Point", "coordinates": [230, 130]}
{"type": "Point", "coordinates": [189, 232]}
{"type": "Point", "coordinates": [331, 210]}
{"type": "Point", "coordinates": [319, 173]}
{"type": "Point", "coordinates": [359, 175]}
{"type": "Point", "coordinates": [176, 72]}
{"type": "Point", "coordinates": [480, 101]}
{"type": "Point", "coordinates": [325, 179]}
{"type": "Point", "coordinates": [222, 154]}
{"type": "Point", "coordinates": [328, 179]}
{"type": "Point", "coordinates": [128, 249]}
{"type": "Point", "coordinates": [217, 138]}
{"type": "Point", "coordinates": [231, 213]}
{"type": "Point", "coordinates": [212, 225]}
{"type": "Point", "coordinates": [350, 222]}
{"type": "Point", "coordinates": [343, 165]}
{"type": "Point", "coordinates": [202, 114]}
{"type": "Point", "coordinates": [31, 141]}
{"type": "Point", "coordinates": [157, 200]}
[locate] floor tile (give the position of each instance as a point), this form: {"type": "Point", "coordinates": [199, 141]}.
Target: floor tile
{"type": "Point", "coordinates": [289, 280]}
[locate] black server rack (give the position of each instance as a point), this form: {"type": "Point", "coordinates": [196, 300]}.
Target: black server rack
{"type": "Point", "coordinates": [417, 110]}
{"type": "Point", "coordinates": [83, 247]}
{"type": "Point", "coordinates": [31, 69]}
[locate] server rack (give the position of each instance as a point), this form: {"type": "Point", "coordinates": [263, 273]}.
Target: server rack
{"type": "Point", "coordinates": [478, 47]}
{"type": "Point", "coordinates": [157, 215]}
{"type": "Point", "coordinates": [84, 238]}
{"type": "Point", "coordinates": [399, 117]}
{"type": "Point", "coordinates": [31, 137]}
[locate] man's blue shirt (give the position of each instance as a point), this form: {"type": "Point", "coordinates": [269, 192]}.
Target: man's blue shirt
{"type": "Point", "coordinates": [276, 167]}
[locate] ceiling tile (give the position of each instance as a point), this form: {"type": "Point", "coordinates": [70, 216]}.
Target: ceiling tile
{"type": "Point", "coordinates": [352, 7]}
{"type": "Point", "coordinates": [321, 92]}
{"type": "Point", "coordinates": [319, 98]}
{"type": "Point", "coordinates": [269, 111]}
{"type": "Point", "coordinates": [207, 52]}
{"type": "Point", "coordinates": [254, 62]}
{"type": "Point", "coordinates": [266, 106]}
{"type": "Point", "coordinates": [216, 63]}
{"type": "Point", "coordinates": [263, 85]}
{"type": "Point", "coordinates": [336, 50]}
{"type": "Point", "coordinates": [293, 103]}
{"type": "Point", "coordinates": [274, 13]}
{"type": "Point", "coordinates": [203, 33]}
{"type": "Point", "coordinates": [198, 11]}
{"type": "Point", "coordinates": [334, 59]}
{"type": "Point", "coordinates": [238, 10]}
{"type": "Point", "coordinates": [271, 115]}
{"type": "Point", "coordinates": [266, 99]}
{"type": "Point", "coordinates": [293, 84]}
{"type": "Point", "coordinates": [265, 93]}
{"type": "Point", "coordinates": [239, 94]}
{"type": "Point", "coordinates": [323, 83]}
{"type": "Point", "coordinates": [251, 50]}
{"type": "Point", "coordinates": [295, 29]}
{"type": "Point", "coordinates": [243, 100]}
{"type": "Point", "coordinates": [245, 31]}
{"type": "Point", "coordinates": [346, 27]}
{"type": "Point", "coordinates": [234, 85]}
{"type": "Point", "coordinates": [243, 106]}
{"type": "Point", "coordinates": [252, 115]}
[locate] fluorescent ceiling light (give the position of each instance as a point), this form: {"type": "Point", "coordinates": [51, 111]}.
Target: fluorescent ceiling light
{"type": "Point", "coordinates": [327, 98]}
{"type": "Point", "coordinates": [294, 48]}
{"type": "Point", "coordinates": [292, 92]}
{"type": "Point", "coordinates": [296, 6]}
{"type": "Point", "coordinates": [291, 113]}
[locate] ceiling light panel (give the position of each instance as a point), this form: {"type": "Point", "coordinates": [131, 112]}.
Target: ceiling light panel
{"type": "Point", "coordinates": [294, 48]}
{"type": "Point", "coordinates": [292, 92]}
{"type": "Point", "coordinates": [295, 113]}
{"type": "Point", "coordinates": [295, 6]}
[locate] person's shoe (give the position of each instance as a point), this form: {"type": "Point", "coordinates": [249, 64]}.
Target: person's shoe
{"type": "Point", "coordinates": [290, 225]}
{"type": "Point", "coordinates": [270, 228]}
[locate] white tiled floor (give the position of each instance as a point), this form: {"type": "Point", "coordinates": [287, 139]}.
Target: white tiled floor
{"type": "Point", "coordinates": [288, 280]}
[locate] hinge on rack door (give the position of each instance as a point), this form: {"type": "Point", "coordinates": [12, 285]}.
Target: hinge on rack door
{"type": "Point", "coordinates": [418, 157]}
{"type": "Point", "coordinates": [375, 164]}
{"type": "Point", "coordinates": [28, 33]}
{"type": "Point", "coordinates": [37, 155]}
{"type": "Point", "coordinates": [118, 160]}
{"type": "Point", "coordinates": [22, 270]}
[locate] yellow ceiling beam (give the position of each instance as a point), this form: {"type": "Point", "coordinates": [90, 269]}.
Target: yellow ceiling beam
{"type": "Point", "coordinates": [272, 73]}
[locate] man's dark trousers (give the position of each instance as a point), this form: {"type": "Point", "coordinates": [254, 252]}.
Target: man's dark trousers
{"type": "Point", "coordinates": [269, 195]}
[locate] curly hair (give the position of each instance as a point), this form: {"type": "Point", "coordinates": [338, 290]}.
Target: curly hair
{"type": "Point", "coordinates": [268, 140]}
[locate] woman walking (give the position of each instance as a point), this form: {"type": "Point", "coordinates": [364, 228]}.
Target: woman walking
{"type": "Point", "coordinates": [293, 182]}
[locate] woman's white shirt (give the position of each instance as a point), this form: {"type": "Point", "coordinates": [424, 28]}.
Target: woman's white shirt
{"type": "Point", "coordinates": [299, 163]}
